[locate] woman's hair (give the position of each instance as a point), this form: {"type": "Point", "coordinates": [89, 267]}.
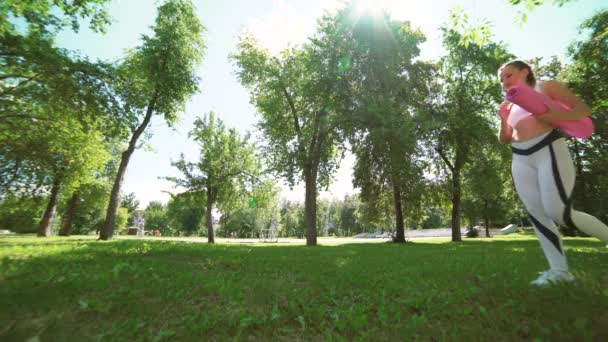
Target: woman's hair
{"type": "Point", "coordinates": [520, 65]}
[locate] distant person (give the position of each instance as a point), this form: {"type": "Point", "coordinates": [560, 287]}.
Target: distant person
{"type": "Point", "coordinates": [542, 169]}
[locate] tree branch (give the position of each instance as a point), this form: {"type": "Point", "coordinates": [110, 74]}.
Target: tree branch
{"type": "Point", "coordinates": [5, 76]}
{"type": "Point", "coordinates": [444, 158]}
{"type": "Point", "coordinates": [294, 112]}
{"type": "Point", "coordinates": [22, 116]}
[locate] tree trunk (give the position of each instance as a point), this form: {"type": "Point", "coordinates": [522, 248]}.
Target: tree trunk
{"type": "Point", "coordinates": [44, 229]}
{"type": "Point", "coordinates": [486, 219]}
{"type": "Point", "coordinates": [108, 227]}
{"type": "Point", "coordinates": [456, 236]}
{"type": "Point", "coordinates": [68, 218]}
{"type": "Point", "coordinates": [398, 214]}
{"type": "Point", "coordinates": [209, 218]}
{"type": "Point", "coordinates": [311, 170]}
{"type": "Point", "coordinates": [310, 205]}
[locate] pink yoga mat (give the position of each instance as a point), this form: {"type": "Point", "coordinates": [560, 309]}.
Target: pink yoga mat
{"type": "Point", "coordinates": [538, 104]}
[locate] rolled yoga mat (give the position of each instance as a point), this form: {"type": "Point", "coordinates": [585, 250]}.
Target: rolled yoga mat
{"type": "Point", "coordinates": [538, 104]}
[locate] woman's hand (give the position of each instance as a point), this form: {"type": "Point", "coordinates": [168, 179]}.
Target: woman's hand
{"type": "Point", "coordinates": [504, 110]}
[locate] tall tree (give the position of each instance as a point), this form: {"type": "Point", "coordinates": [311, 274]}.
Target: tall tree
{"type": "Point", "coordinates": [461, 112]}
{"type": "Point", "coordinates": [43, 90]}
{"type": "Point", "coordinates": [224, 167]}
{"type": "Point", "coordinates": [588, 77]}
{"type": "Point", "coordinates": [157, 77]}
{"type": "Point", "coordinates": [295, 93]}
{"type": "Point", "coordinates": [385, 84]}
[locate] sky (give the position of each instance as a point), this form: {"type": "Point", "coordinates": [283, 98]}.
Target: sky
{"type": "Point", "coordinates": [278, 24]}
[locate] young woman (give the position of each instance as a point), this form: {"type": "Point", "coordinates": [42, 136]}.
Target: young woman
{"type": "Point", "coordinates": [542, 169]}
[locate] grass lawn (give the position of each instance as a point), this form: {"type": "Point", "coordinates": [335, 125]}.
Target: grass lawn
{"type": "Point", "coordinates": [75, 289]}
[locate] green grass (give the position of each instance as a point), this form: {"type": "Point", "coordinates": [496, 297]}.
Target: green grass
{"type": "Point", "coordinates": [78, 289]}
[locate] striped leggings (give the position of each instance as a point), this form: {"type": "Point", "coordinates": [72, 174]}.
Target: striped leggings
{"type": "Point", "coordinates": [543, 173]}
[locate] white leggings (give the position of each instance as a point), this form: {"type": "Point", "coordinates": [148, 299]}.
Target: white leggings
{"type": "Point", "coordinates": [543, 174]}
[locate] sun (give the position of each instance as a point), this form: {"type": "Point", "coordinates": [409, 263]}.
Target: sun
{"type": "Point", "coordinates": [368, 6]}
{"type": "Point", "coordinates": [377, 7]}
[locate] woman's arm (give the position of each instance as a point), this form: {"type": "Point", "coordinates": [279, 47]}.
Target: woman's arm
{"type": "Point", "coordinates": [560, 93]}
{"type": "Point", "coordinates": [505, 134]}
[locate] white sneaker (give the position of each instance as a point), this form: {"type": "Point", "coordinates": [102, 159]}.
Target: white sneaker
{"type": "Point", "coordinates": [551, 277]}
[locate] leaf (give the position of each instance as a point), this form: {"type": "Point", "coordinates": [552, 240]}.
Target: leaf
{"type": "Point", "coordinates": [164, 334]}
{"type": "Point", "coordinates": [276, 314]}
{"type": "Point", "coordinates": [302, 322]}
{"type": "Point", "coordinates": [84, 305]}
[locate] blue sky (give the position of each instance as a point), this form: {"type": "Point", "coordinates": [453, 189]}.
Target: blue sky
{"type": "Point", "coordinates": [277, 23]}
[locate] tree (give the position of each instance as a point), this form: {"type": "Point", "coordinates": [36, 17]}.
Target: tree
{"type": "Point", "coordinates": [294, 95]}
{"type": "Point", "coordinates": [292, 219]}
{"type": "Point", "coordinates": [460, 116]}
{"type": "Point", "coordinates": [69, 156]}
{"type": "Point", "coordinates": [483, 186]}
{"type": "Point", "coordinates": [46, 15]}
{"type": "Point", "coordinates": [186, 212]}
{"type": "Point", "coordinates": [157, 218]}
{"type": "Point", "coordinates": [47, 159]}
{"type": "Point", "coordinates": [130, 202]}
{"type": "Point", "coordinates": [349, 221]}
{"type": "Point", "coordinates": [225, 164]}
{"type": "Point", "coordinates": [85, 209]}
{"type": "Point", "coordinates": [157, 78]}
{"type": "Point", "coordinates": [384, 84]}
{"type": "Point", "coordinates": [587, 76]}
{"type": "Point", "coordinates": [241, 222]}
{"type": "Point", "coordinates": [44, 90]}
{"type": "Point", "coordinates": [21, 213]}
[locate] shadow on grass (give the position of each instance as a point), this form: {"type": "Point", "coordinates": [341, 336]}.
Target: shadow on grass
{"type": "Point", "coordinates": [130, 289]}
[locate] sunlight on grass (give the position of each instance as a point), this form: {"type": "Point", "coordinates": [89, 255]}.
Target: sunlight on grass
{"type": "Point", "coordinates": [130, 289]}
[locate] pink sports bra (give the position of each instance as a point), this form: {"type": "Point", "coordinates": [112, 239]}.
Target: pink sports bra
{"type": "Point", "coordinates": [516, 114]}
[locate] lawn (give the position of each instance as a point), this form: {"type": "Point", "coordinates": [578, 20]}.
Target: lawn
{"type": "Point", "coordinates": [60, 289]}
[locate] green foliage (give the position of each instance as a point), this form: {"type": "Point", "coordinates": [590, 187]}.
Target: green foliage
{"type": "Point", "coordinates": [122, 220]}
{"type": "Point", "coordinates": [157, 78]}
{"type": "Point", "coordinates": [90, 211]}
{"type": "Point", "coordinates": [459, 118]}
{"type": "Point", "coordinates": [348, 224]}
{"type": "Point", "coordinates": [186, 212]}
{"type": "Point", "coordinates": [531, 5]}
{"type": "Point", "coordinates": [227, 163]}
{"type": "Point", "coordinates": [159, 75]}
{"type": "Point", "coordinates": [49, 15]}
{"type": "Point", "coordinates": [130, 202]}
{"type": "Point", "coordinates": [483, 188]}
{"type": "Point", "coordinates": [21, 214]}
{"type": "Point", "coordinates": [296, 94]}
{"type": "Point", "coordinates": [385, 86]}
{"type": "Point", "coordinates": [292, 219]}
{"type": "Point", "coordinates": [241, 222]}
{"type": "Point", "coordinates": [40, 83]}
{"type": "Point", "coordinates": [588, 77]}
{"type": "Point", "coordinates": [156, 218]}
{"type": "Point", "coordinates": [290, 94]}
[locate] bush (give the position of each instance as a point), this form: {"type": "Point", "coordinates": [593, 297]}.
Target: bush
{"type": "Point", "coordinates": [472, 232]}
{"type": "Point", "coordinates": [20, 215]}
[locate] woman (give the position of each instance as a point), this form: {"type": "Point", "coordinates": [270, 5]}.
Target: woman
{"type": "Point", "coordinates": [542, 169]}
